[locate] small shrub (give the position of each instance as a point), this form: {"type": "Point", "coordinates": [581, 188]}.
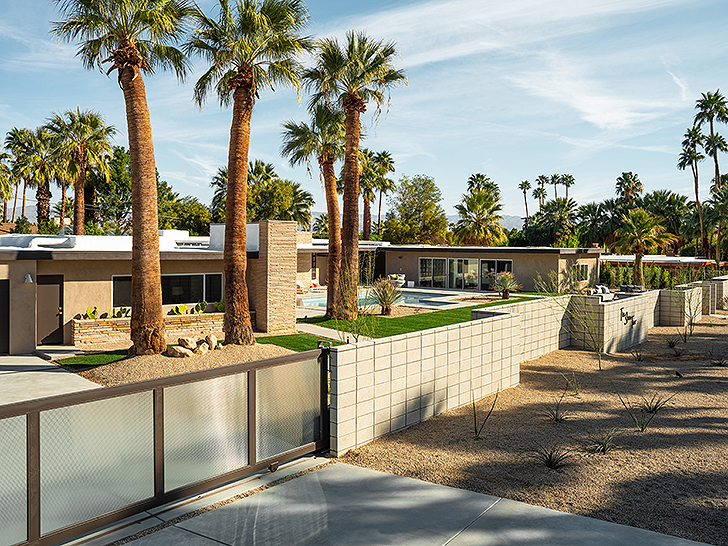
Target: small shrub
{"type": "Point", "coordinates": [200, 307]}
{"type": "Point", "coordinates": [92, 313]}
{"type": "Point", "coordinates": [638, 356]}
{"type": "Point", "coordinates": [677, 351]}
{"type": "Point", "coordinates": [654, 404]}
{"type": "Point", "coordinates": [477, 430]}
{"type": "Point", "coordinates": [723, 363]}
{"type": "Point", "coordinates": [505, 283]}
{"type": "Point", "coordinates": [47, 228]}
{"type": "Point", "coordinates": [602, 442]}
{"type": "Point", "coordinates": [22, 225]}
{"type": "Point", "coordinates": [179, 309]}
{"type": "Point", "coordinates": [90, 228]}
{"type": "Point", "coordinates": [647, 410]}
{"type": "Point", "coordinates": [386, 294]}
{"type": "Point", "coordinates": [220, 306]}
{"type": "Point", "coordinates": [553, 457]}
{"type": "Point", "coordinates": [683, 335]}
{"type": "Point", "coordinates": [556, 412]}
{"type": "Point", "coordinates": [120, 312]}
{"type": "Point", "coordinates": [573, 384]}
{"type": "Point", "coordinates": [672, 342]}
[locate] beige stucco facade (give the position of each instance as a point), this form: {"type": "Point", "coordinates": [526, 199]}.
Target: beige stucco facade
{"type": "Point", "coordinates": [87, 280]}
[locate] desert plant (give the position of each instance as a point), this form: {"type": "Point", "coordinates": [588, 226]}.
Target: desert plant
{"type": "Point", "coordinates": [22, 225]}
{"type": "Point", "coordinates": [602, 442]}
{"type": "Point", "coordinates": [477, 430]}
{"type": "Point", "coordinates": [647, 410]}
{"type": "Point", "coordinates": [220, 306]}
{"type": "Point", "coordinates": [553, 457]}
{"type": "Point", "coordinates": [672, 342]}
{"type": "Point", "coordinates": [555, 412]}
{"type": "Point", "coordinates": [92, 313]}
{"type": "Point", "coordinates": [505, 283]}
{"type": "Point", "coordinates": [654, 404]}
{"type": "Point", "coordinates": [573, 384]}
{"type": "Point", "coordinates": [119, 313]}
{"type": "Point", "coordinates": [723, 301]}
{"type": "Point", "coordinates": [386, 294]}
{"type": "Point", "coordinates": [677, 351]}
{"type": "Point", "coordinates": [722, 362]}
{"type": "Point", "coordinates": [179, 309]}
{"type": "Point", "coordinates": [200, 307]}
{"type": "Point", "coordinates": [638, 355]}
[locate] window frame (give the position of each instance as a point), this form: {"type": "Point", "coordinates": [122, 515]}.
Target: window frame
{"type": "Point", "coordinates": [204, 287]}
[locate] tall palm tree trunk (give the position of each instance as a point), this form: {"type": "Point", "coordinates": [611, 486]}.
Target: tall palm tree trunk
{"type": "Point", "coordinates": [332, 206]}
{"type": "Point", "coordinates": [147, 325]}
{"type": "Point", "coordinates": [638, 277]}
{"type": "Point", "coordinates": [379, 214]}
{"type": "Point", "coordinates": [63, 209]}
{"type": "Point", "coordinates": [25, 187]}
{"type": "Point", "coordinates": [43, 202]}
{"type": "Point", "coordinates": [345, 306]}
{"type": "Point", "coordinates": [525, 202]}
{"type": "Point", "coordinates": [79, 196]}
{"type": "Point", "coordinates": [15, 201]}
{"type": "Point", "coordinates": [90, 212]}
{"type": "Point", "coordinates": [717, 185]}
{"type": "Point", "coordinates": [367, 224]}
{"type": "Point", "coordinates": [237, 325]}
{"type": "Point", "coordinates": [703, 239]}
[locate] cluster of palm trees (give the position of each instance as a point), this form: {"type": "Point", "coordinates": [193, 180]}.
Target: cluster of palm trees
{"type": "Point", "coordinates": [59, 152]}
{"type": "Point", "coordinates": [250, 45]}
{"type": "Point", "coordinates": [479, 221]}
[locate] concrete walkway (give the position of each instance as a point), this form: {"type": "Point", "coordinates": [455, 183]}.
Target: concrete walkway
{"type": "Point", "coordinates": [343, 504]}
{"type": "Point", "coordinates": [27, 377]}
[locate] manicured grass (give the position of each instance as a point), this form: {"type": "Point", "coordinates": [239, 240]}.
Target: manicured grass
{"type": "Point", "coordinates": [294, 342]}
{"type": "Point", "coordinates": [98, 359]}
{"type": "Point", "coordinates": [379, 327]}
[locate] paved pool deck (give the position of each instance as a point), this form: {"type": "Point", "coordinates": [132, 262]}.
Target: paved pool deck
{"type": "Point", "coordinates": [341, 504]}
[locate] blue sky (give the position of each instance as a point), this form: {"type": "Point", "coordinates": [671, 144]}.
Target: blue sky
{"type": "Point", "coordinates": [510, 89]}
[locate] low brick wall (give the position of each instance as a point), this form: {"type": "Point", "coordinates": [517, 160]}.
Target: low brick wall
{"type": "Point", "coordinates": [85, 332]}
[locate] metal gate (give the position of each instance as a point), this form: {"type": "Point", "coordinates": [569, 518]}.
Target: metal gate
{"type": "Point", "coordinates": [77, 462]}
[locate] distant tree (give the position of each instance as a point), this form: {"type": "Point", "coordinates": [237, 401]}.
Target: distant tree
{"type": "Point", "coordinates": [669, 208]}
{"type": "Point", "coordinates": [712, 108]}
{"type": "Point", "coordinates": [567, 180]}
{"type": "Point", "coordinates": [17, 142]}
{"type": "Point", "coordinates": [540, 194]}
{"type": "Point", "coordinates": [559, 217]}
{"type": "Point", "coordinates": [114, 191]}
{"type": "Point", "coordinates": [639, 233]}
{"type": "Point", "coordinates": [480, 221]}
{"type": "Point", "coordinates": [524, 186]}
{"type": "Point", "coordinates": [385, 162]}
{"type": "Point", "coordinates": [6, 181]}
{"type": "Point", "coordinates": [415, 214]}
{"type": "Point", "coordinates": [217, 207]}
{"type": "Point", "coordinates": [321, 225]}
{"type": "Point", "coordinates": [629, 187]}
{"type": "Point", "coordinates": [590, 220]}
{"type": "Point", "coordinates": [480, 182]}
{"type": "Point", "coordinates": [555, 180]}
{"type": "Point", "coordinates": [691, 156]}
{"type": "Point", "coordinates": [39, 165]}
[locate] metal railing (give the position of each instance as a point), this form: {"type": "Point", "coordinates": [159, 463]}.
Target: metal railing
{"type": "Point", "coordinates": [77, 462]}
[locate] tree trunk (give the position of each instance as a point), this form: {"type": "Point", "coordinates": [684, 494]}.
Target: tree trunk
{"type": "Point", "coordinates": [147, 325]}
{"type": "Point", "coordinates": [238, 327]}
{"type": "Point", "coordinates": [43, 203]}
{"type": "Point", "coordinates": [638, 276]}
{"type": "Point", "coordinates": [63, 210]}
{"type": "Point", "coordinates": [90, 212]}
{"type": "Point", "coordinates": [703, 240]}
{"type": "Point", "coordinates": [379, 214]}
{"type": "Point", "coordinates": [345, 306]}
{"type": "Point", "coordinates": [525, 202]}
{"type": "Point", "coordinates": [79, 196]}
{"type": "Point", "coordinates": [367, 226]}
{"type": "Point", "coordinates": [25, 187]}
{"type": "Point", "coordinates": [15, 201]}
{"type": "Point", "coordinates": [332, 208]}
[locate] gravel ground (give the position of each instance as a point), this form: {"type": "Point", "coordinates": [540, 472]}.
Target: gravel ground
{"type": "Point", "coordinates": [672, 478]}
{"type": "Point", "coordinates": [139, 368]}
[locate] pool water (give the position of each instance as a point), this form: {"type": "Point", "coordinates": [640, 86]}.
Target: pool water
{"type": "Point", "coordinates": [366, 299]}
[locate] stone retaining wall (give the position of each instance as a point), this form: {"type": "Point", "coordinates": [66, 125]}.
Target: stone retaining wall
{"type": "Point", "coordinates": [86, 332]}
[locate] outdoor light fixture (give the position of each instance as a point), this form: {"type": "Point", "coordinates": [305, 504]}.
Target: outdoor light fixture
{"type": "Point", "coordinates": [28, 279]}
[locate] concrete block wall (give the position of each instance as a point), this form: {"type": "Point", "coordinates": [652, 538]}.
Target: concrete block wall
{"type": "Point", "coordinates": [385, 385]}
{"type": "Point", "coordinates": [675, 306]}
{"type": "Point", "coordinates": [721, 290]}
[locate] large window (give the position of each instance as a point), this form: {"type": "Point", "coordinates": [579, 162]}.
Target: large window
{"type": "Point", "coordinates": [581, 272]}
{"type": "Point", "coordinates": [176, 289]}
{"type": "Point", "coordinates": [464, 273]}
{"type": "Point", "coordinates": [433, 272]}
{"type": "Point", "coordinates": [490, 268]}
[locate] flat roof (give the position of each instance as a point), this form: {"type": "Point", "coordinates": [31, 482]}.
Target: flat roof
{"type": "Point", "coordinates": [460, 249]}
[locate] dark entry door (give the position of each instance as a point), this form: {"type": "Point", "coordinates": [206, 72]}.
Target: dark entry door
{"type": "Point", "coordinates": [4, 316]}
{"type": "Point", "coordinates": [50, 309]}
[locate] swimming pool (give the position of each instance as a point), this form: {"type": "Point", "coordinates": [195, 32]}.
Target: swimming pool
{"type": "Point", "coordinates": [366, 299]}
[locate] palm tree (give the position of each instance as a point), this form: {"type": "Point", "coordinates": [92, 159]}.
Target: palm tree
{"type": "Point", "coordinates": [321, 225]}
{"type": "Point", "coordinates": [567, 180]}
{"type": "Point", "coordinates": [251, 45]}
{"type": "Point", "coordinates": [6, 181]}
{"type": "Point", "coordinates": [524, 186]}
{"type": "Point", "coordinates": [324, 139]}
{"type": "Point", "coordinates": [555, 180]}
{"type": "Point", "coordinates": [560, 217]}
{"type": "Point", "coordinates": [135, 37]}
{"type": "Point", "coordinates": [690, 156]}
{"type": "Point", "coordinates": [86, 140]}
{"type": "Point", "coordinates": [669, 208]}
{"type": "Point", "coordinates": [719, 211]}
{"type": "Point", "coordinates": [64, 177]}
{"type": "Point", "coordinates": [39, 166]}
{"type": "Point", "coordinates": [712, 107]}
{"type": "Point", "coordinates": [479, 222]}
{"type": "Point", "coordinates": [17, 142]}
{"type": "Point", "coordinates": [385, 161]}
{"type": "Point", "coordinates": [629, 187]}
{"type": "Point", "coordinates": [260, 172]}
{"type": "Point", "coordinates": [350, 75]}
{"type": "Point", "coordinates": [540, 194]}
{"type": "Point", "coordinates": [590, 221]}
{"type": "Point", "coordinates": [639, 233]}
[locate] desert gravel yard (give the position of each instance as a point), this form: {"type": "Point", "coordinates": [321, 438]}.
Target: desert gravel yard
{"type": "Point", "coordinates": [672, 478]}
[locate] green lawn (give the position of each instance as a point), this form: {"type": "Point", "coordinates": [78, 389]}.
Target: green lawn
{"type": "Point", "coordinates": [379, 327]}
{"type": "Point", "coordinates": [294, 342]}
{"type": "Point", "coordinates": [98, 359]}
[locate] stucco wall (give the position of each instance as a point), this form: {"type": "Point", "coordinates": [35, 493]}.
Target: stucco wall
{"type": "Point", "coordinates": [22, 306]}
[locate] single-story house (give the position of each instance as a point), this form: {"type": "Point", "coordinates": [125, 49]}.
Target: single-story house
{"type": "Point", "coordinates": [46, 281]}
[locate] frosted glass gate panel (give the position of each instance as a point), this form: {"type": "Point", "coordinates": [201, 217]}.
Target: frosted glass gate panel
{"type": "Point", "coordinates": [13, 481]}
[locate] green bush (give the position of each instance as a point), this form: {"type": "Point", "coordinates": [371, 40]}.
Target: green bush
{"type": "Point", "coordinates": [22, 225]}
{"type": "Point", "coordinates": [505, 283]}
{"type": "Point", "coordinates": [605, 274]}
{"type": "Point", "coordinates": [386, 294]}
{"type": "Point", "coordinates": [47, 228]}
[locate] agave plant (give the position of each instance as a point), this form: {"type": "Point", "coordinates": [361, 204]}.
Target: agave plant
{"type": "Point", "coordinates": [386, 294]}
{"type": "Point", "coordinates": [505, 283]}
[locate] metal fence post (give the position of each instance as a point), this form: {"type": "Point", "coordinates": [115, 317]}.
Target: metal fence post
{"type": "Point", "coordinates": [252, 424]}
{"type": "Point", "coordinates": [33, 484]}
{"type": "Point", "coordinates": [158, 442]}
{"type": "Point", "coordinates": [325, 414]}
